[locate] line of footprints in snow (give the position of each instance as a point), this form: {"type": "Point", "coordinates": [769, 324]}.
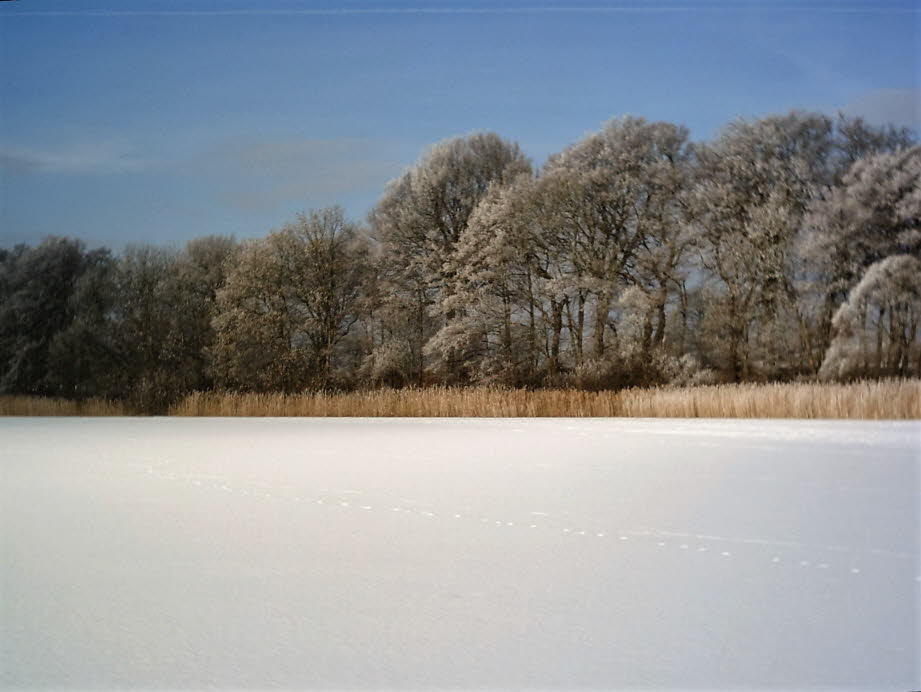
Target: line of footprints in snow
{"type": "Point", "coordinates": [538, 521]}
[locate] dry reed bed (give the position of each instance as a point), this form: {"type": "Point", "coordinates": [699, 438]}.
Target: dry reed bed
{"type": "Point", "coordinates": [885, 400]}
{"type": "Point", "coordinates": [45, 406]}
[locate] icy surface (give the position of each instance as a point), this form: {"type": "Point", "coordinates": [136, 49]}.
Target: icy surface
{"type": "Point", "coordinates": [502, 554]}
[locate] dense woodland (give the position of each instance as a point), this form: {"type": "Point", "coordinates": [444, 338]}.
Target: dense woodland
{"type": "Point", "coordinates": [787, 248]}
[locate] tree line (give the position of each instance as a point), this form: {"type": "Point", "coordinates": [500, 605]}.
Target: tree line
{"type": "Point", "coordinates": [788, 247]}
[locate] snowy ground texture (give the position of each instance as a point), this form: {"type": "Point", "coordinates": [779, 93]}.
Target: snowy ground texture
{"type": "Point", "coordinates": [426, 553]}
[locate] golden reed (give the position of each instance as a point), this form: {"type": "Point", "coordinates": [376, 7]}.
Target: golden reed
{"type": "Point", "coordinates": [882, 400]}
{"type": "Point", "coordinates": [885, 400]}
{"type": "Point", "coordinates": [46, 406]}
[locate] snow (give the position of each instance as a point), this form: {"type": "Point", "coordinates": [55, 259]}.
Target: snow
{"type": "Point", "coordinates": [461, 553]}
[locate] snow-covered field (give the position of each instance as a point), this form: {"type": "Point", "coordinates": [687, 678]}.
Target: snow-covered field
{"type": "Point", "coordinates": [397, 554]}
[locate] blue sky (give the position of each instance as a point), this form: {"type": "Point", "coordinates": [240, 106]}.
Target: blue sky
{"type": "Point", "coordinates": [159, 121]}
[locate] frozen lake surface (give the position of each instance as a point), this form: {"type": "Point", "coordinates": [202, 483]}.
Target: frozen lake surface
{"type": "Point", "coordinates": [461, 553]}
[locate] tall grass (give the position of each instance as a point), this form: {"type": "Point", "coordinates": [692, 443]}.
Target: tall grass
{"type": "Point", "coordinates": [881, 400]}
{"type": "Point", "coordinates": [45, 406]}
{"type": "Point", "coordinates": [891, 399]}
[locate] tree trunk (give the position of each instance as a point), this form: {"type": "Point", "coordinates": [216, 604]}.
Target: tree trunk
{"type": "Point", "coordinates": [532, 330]}
{"type": "Point", "coordinates": [576, 325]}
{"type": "Point", "coordinates": [556, 328]}
{"type": "Point", "coordinates": [602, 308]}
{"type": "Point", "coordinates": [658, 337]}
{"type": "Point", "coordinates": [507, 335]}
{"type": "Point", "coordinates": [419, 366]}
{"type": "Point", "coordinates": [879, 343]}
{"type": "Point", "coordinates": [683, 293]}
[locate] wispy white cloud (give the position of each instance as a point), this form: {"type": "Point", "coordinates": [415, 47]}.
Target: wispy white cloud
{"type": "Point", "coordinates": [103, 156]}
{"type": "Point", "coordinates": [266, 174]}
{"type": "Point", "coordinates": [900, 107]}
{"type": "Point", "coordinates": [247, 174]}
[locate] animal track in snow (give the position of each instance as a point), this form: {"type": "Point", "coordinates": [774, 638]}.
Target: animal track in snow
{"type": "Point", "coordinates": [541, 522]}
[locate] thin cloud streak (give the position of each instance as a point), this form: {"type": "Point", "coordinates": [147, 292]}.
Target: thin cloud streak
{"type": "Point", "coordinates": [262, 175]}
{"type": "Point", "coordinates": [900, 107]}
{"type": "Point", "coordinates": [100, 157]}
{"type": "Point", "coordinates": [460, 10]}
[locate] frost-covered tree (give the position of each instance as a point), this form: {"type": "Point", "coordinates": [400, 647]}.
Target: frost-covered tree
{"type": "Point", "coordinates": [878, 328]}
{"type": "Point", "coordinates": [493, 292]}
{"type": "Point", "coordinates": [82, 357]}
{"type": "Point", "coordinates": [875, 212]}
{"type": "Point", "coordinates": [144, 324]}
{"type": "Point", "coordinates": [631, 257]}
{"type": "Point", "coordinates": [543, 260]}
{"type": "Point", "coordinates": [663, 261]}
{"type": "Point", "coordinates": [613, 201]}
{"type": "Point", "coordinates": [198, 275]}
{"type": "Point", "coordinates": [856, 139]}
{"type": "Point", "coordinates": [132, 327]}
{"type": "Point", "coordinates": [418, 222]}
{"type": "Point", "coordinates": [287, 302]}
{"type": "Point", "coordinates": [37, 287]}
{"type": "Point", "coordinates": [755, 183]}
{"type": "Point", "coordinates": [155, 334]}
